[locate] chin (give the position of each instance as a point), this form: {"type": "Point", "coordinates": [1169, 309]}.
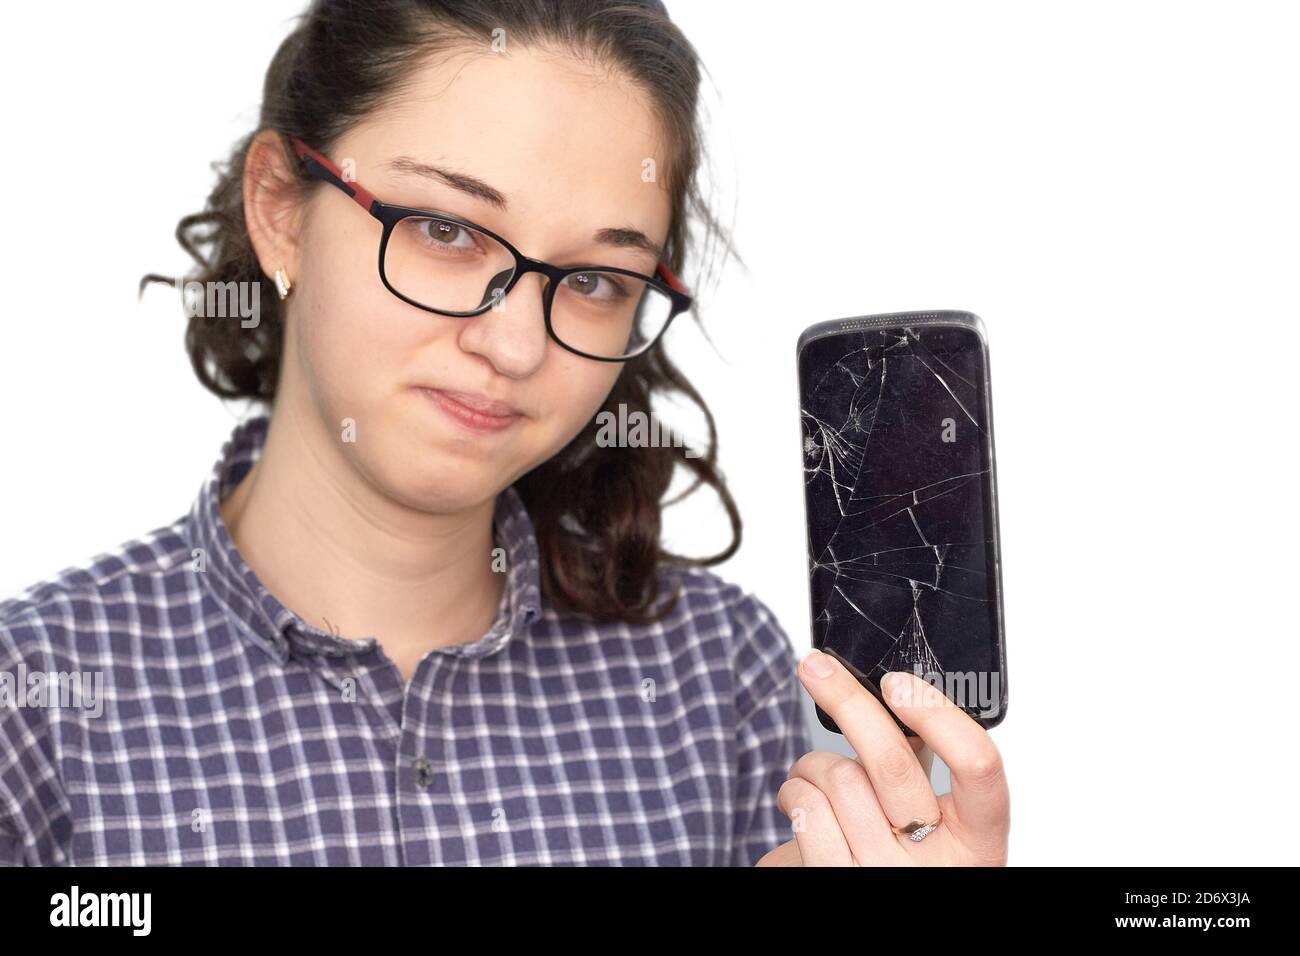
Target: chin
{"type": "Point", "coordinates": [417, 467]}
{"type": "Point", "coordinates": [444, 487]}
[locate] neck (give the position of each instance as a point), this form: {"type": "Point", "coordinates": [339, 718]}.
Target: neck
{"type": "Point", "coordinates": [348, 559]}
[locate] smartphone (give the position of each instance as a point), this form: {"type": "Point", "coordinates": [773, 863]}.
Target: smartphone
{"type": "Point", "coordinates": [900, 500]}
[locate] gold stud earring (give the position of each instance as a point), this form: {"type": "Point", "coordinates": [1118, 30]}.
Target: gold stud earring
{"type": "Point", "coordinates": [282, 284]}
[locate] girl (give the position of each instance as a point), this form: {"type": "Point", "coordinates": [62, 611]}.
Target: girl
{"type": "Point", "coordinates": [418, 613]}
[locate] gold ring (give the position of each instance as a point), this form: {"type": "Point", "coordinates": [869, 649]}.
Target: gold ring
{"type": "Point", "coordinates": [918, 830]}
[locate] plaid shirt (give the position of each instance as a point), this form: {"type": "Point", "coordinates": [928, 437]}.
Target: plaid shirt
{"type": "Point", "coordinates": [228, 731]}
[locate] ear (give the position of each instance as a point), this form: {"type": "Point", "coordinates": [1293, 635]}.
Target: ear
{"type": "Point", "coordinates": [271, 203]}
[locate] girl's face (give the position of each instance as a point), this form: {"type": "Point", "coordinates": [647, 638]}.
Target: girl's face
{"type": "Point", "coordinates": [564, 148]}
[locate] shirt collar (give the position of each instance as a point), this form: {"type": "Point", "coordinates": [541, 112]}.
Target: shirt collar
{"type": "Point", "coordinates": [260, 616]}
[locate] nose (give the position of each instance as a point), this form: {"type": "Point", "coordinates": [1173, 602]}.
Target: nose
{"type": "Point", "coordinates": [512, 334]}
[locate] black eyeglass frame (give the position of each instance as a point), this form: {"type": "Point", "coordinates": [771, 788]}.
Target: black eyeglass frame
{"type": "Point", "coordinates": [389, 215]}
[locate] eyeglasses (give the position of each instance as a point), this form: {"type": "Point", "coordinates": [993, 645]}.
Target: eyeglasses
{"type": "Point", "coordinates": [450, 266]}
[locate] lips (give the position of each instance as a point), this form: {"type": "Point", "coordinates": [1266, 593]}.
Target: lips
{"type": "Point", "coordinates": [480, 404]}
{"type": "Point", "coordinates": [473, 411]}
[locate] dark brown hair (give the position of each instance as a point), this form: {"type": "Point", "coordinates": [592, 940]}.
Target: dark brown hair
{"type": "Point", "coordinates": [596, 510]}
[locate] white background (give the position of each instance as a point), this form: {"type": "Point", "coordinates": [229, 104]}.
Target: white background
{"type": "Point", "coordinates": [1111, 186]}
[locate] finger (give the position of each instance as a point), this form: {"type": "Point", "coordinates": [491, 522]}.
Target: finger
{"type": "Point", "coordinates": [787, 854]}
{"type": "Point", "coordinates": [816, 831]}
{"type": "Point", "coordinates": [981, 800]}
{"type": "Point", "coordinates": [924, 755]}
{"type": "Point", "coordinates": [901, 785]}
{"type": "Point", "coordinates": [853, 800]}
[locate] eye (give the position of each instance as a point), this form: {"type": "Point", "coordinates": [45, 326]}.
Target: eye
{"type": "Point", "coordinates": [596, 286]}
{"type": "Point", "coordinates": [441, 237]}
{"type": "Point", "coordinates": [446, 233]}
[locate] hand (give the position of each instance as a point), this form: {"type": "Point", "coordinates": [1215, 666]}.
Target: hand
{"type": "Point", "coordinates": [842, 809]}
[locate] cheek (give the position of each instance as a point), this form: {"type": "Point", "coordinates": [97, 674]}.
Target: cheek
{"type": "Point", "coordinates": [352, 336]}
{"type": "Point", "coordinates": [578, 388]}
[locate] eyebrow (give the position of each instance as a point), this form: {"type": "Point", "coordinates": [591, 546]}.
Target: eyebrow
{"type": "Point", "coordinates": [622, 237]}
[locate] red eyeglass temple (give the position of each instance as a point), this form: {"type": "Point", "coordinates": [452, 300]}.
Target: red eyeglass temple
{"type": "Point", "coordinates": [365, 200]}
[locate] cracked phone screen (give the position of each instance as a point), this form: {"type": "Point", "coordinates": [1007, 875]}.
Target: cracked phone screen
{"type": "Point", "coordinates": [897, 454]}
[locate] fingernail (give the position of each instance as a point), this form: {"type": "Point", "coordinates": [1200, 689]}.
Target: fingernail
{"type": "Point", "coordinates": [818, 664]}
{"type": "Point", "coordinates": [891, 684]}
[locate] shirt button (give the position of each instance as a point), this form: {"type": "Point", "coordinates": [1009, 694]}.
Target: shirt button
{"type": "Point", "coordinates": [423, 773]}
